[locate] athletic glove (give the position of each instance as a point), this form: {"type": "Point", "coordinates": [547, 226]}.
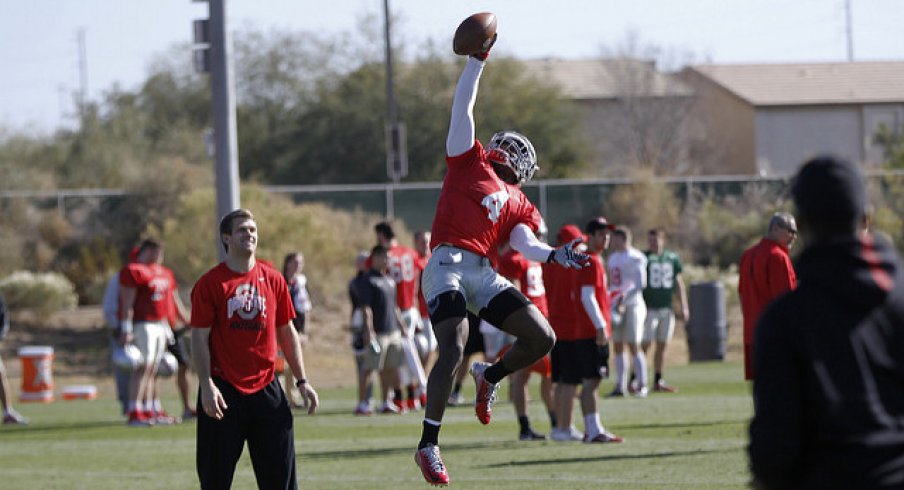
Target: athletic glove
{"type": "Point", "coordinates": [486, 51]}
{"type": "Point", "coordinates": [567, 256]}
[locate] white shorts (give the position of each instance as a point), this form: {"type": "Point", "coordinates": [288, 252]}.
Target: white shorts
{"type": "Point", "coordinates": [659, 326]}
{"type": "Point", "coordinates": [151, 340]}
{"type": "Point", "coordinates": [630, 327]}
{"type": "Point", "coordinates": [424, 338]}
{"type": "Point", "coordinates": [411, 318]}
{"type": "Point", "coordinates": [455, 269]}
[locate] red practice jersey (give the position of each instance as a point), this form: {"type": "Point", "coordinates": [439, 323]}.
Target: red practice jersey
{"type": "Point", "coordinates": [154, 286]}
{"type": "Point", "coordinates": [594, 274]}
{"type": "Point", "coordinates": [560, 295]}
{"type": "Point", "coordinates": [242, 311]}
{"type": "Point", "coordinates": [402, 265]}
{"type": "Point", "coordinates": [765, 273]}
{"type": "Point", "coordinates": [476, 209]}
{"type": "Point", "coordinates": [529, 275]}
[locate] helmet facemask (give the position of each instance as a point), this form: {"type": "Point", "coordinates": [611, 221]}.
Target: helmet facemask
{"type": "Point", "coordinates": [514, 150]}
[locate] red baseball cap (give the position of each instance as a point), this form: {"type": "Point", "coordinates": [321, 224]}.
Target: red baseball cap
{"type": "Point", "coordinates": [568, 233]}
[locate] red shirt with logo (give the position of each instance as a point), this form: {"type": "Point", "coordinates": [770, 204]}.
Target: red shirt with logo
{"type": "Point", "coordinates": [154, 285]}
{"type": "Point", "coordinates": [529, 275]}
{"type": "Point", "coordinates": [594, 274]}
{"type": "Point", "coordinates": [476, 209]}
{"type": "Point", "coordinates": [242, 311]}
{"type": "Point", "coordinates": [560, 295]}
{"type": "Point", "coordinates": [402, 265]}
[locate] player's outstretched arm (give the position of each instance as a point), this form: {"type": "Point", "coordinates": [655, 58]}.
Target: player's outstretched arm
{"type": "Point", "coordinates": [461, 123]}
{"type": "Point", "coordinates": [523, 239]}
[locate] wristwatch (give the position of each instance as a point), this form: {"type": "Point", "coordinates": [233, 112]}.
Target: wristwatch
{"type": "Point", "coordinates": [300, 382]}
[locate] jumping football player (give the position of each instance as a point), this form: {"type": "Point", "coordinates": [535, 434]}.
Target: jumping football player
{"type": "Point", "coordinates": [480, 207]}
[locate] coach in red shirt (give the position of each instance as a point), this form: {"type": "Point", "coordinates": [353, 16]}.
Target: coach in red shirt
{"type": "Point", "coordinates": [241, 310]}
{"type": "Point", "coordinates": [765, 273]}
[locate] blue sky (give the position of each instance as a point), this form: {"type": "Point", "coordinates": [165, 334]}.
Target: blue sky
{"type": "Point", "coordinates": [39, 51]}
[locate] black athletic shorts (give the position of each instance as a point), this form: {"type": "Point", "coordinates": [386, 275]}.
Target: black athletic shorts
{"type": "Point", "coordinates": [176, 347]}
{"type": "Point", "coordinates": [299, 323]}
{"type": "Point", "coordinates": [573, 361]}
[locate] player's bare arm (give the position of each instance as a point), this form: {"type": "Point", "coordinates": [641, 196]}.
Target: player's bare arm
{"type": "Point", "coordinates": [127, 297]}
{"type": "Point", "coordinates": [291, 347]}
{"type": "Point", "coordinates": [212, 401]}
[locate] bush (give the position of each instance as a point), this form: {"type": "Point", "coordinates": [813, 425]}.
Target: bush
{"type": "Point", "coordinates": [44, 293]}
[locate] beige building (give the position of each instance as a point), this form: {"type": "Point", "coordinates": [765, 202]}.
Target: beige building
{"type": "Point", "coordinates": [727, 119]}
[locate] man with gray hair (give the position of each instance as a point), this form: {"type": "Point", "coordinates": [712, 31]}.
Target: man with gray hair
{"type": "Point", "coordinates": [765, 273]}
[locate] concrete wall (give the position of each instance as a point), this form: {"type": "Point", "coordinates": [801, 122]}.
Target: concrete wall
{"type": "Point", "coordinates": [787, 136]}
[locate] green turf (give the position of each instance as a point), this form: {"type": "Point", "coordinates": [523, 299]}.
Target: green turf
{"type": "Point", "coordinates": [691, 440]}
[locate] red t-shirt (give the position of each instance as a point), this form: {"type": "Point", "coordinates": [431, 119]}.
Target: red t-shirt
{"type": "Point", "coordinates": [765, 273]}
{"type": "Point", "coordinates": [154, 285]}
{"type": "Point", "coordinates": [560, 296]}
{"type": "Point", "coordinates": [529, 275]}
{"type": "Point", "coordinates": [594, 274]}
{"type": "Point", "coordinates": [420, 265]}
{"type": "Point", "coordinates": [476, 209]}
{"type": "Point", "coordinates": [402, 265]}
{"type": "Point", "coordinates": [242, 311]}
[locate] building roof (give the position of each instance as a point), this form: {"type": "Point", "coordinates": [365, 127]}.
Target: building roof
{"type": "Point", "coordinates": [811, 83]}
{"type": "Point", "coordinates": [606, 78]}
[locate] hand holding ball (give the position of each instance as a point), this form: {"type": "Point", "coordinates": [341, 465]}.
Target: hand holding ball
{"type": "Point", "coordinates": [475, 35]}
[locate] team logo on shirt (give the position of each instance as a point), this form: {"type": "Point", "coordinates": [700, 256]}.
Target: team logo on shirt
{"type": "Point", "coordinates": [247, 303]}
{"type": "Point", "coordinates": [494, 203]}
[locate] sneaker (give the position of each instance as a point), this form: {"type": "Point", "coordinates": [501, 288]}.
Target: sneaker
{"type": "Point", "coordinates": [423, 398]}
{"type": "Point", "coordinates": [363, 410]}
{"type": "Point", "coordinates": [563, 435]}
{"type": "Point", "coordinates": [661, 387]}
{"type": "Point", "coordinates": [164, 418]}
{"type": "Point", "coordinates": [390, 407]}
{"type": "Point", "coordinates": [138, 419]}
{"type": "Point", "coordinates": [602, 437]}
{"type": "Point", "coordinates": [530, 435]}
{"type": "Point", "coordinates": [13, 417]}
{"type": "Point", "coordinates": [455, 399]}
{"type": "Point", "coordinates": [616, 393]}
{"type": "Point", "coordinates": [633, 387]}
{"type": "Point", "coordinates": [431, 464]}
{"type": "Point", "coordinates": [189, 413]}
{"type": "Point", "coordinates": [413, 404]}
{"type": "Point", "coordinates": [641, 392]}
{"type": "Point", "coordinates": [486, 393]}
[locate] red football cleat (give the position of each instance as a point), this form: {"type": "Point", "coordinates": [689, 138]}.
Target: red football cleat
{"type": "Point", "coordinates": [486, 393]}
{"type": "Point", "coordinates": [431, 464]}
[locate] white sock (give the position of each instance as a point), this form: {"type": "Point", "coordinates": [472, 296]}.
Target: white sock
{"type": "Point", "coordinates": [640, 368]}
{"type": "Point", "coordinates": [592, 424]}
{"type": "Point", "coordinates": [157, 406]}
{"type": "Point", "coordinates": [621, 374]}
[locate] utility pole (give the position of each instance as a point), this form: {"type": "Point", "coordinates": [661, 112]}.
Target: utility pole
{"type": "Point", "coordinates": [396, 140]}
{"type": "Point", "coordinates": [214, 55]}
{"type": "Point", "coordinates": [849, 30]}
{"type": "Point", "coordinates": [82, 73]}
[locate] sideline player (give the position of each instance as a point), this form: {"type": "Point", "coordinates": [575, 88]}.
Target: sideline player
{"type": "Point", "coordinates": [527, 275]}
{"type": "Point", "coordinates": [663, 279]}
{"type": "Point", "coordinates": [628, 277]}
{"type": "Point", "coordinates": [425, 341]}
{"type": "Point", "coordinates": [402, 269]}
{"type": "Point", "coordinates": [479, 207]}
{"type": "Point", "coordinates": [240, 312]}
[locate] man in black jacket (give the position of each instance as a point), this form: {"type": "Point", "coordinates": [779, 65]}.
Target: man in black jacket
{"type": "Point", "coordinates": [829, 392]}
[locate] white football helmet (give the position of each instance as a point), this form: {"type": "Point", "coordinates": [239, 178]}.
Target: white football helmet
{"type": "Point", "coordinates": [517, 151]}
{"type": "Point", "coordinates": [168, 365]}
{"type": "Point", "coordinates": [127, 357]}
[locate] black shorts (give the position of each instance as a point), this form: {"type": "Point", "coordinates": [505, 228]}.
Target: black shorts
{"type": "Point", "coordinates": [299, 323]}
{"type": "Point", "coordinates": [475, 338]}
{"type": "Point", "coordinates": [176, 348]}
{"type": "Point", "coordinates": [573, 361]}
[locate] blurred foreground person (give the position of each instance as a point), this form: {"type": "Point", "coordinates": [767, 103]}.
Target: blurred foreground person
{"type": "Point", "coordinates": [829, 358]}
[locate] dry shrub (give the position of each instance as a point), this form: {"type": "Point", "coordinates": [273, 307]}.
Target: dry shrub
{"type": "Point", "coordinates": [43, 293]}
{"type": "Point", "coordinates": [643, 205]}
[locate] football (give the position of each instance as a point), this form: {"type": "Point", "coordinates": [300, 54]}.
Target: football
{"type": "Point", "coordinates": [475, 34]}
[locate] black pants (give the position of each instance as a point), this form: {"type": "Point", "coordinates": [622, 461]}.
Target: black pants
{"type": "Point", "coordinates": [265, 421]}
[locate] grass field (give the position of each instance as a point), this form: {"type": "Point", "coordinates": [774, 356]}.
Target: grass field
{"type": "Point", "coordinates": [694, 439]}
